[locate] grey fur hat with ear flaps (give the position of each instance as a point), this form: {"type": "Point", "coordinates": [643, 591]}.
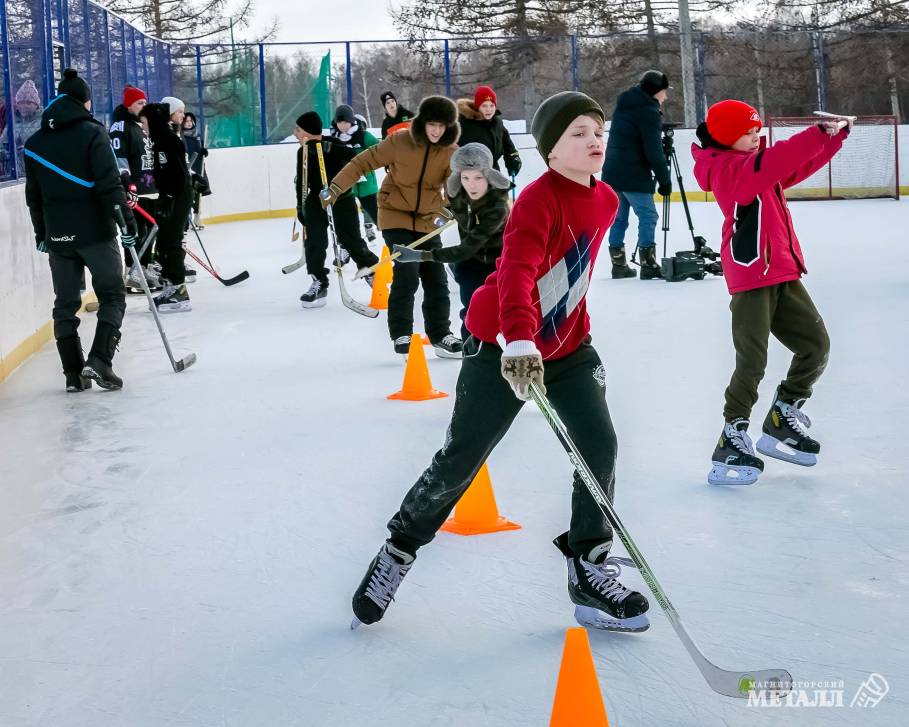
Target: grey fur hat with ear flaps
{"type": "Point", "coordinates": [474, 157]}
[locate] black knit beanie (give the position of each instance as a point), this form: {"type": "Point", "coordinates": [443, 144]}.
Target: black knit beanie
{"type": "Point", "coordinates": [387, 95]}
{"type": "Point", "coordinates": [652, 82]}
{"type": "Point", "coordinates": [345, 113]}
{"type": "Point", "coordinates": [74, 86]}
{"type": "Point", "coordinates": [555, 114]}
{"type": "Point", "coordinates": [311, 123]}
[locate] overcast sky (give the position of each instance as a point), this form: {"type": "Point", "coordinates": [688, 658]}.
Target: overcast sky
{"type": "Point", "coordinates": [326, 20]}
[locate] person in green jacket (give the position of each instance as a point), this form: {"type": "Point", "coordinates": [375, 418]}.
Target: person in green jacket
{"type": "Point", "coordinates": [350, 129]}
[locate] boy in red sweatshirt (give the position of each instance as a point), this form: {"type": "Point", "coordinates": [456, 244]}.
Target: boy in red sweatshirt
{"type": "Point", "coordinates": [762, 263]}
{"type": "Point", "coordinates": [536, 300]}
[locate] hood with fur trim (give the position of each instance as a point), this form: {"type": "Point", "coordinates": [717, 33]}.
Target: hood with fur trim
{"type": "Point", "coordinates": [438, 109]}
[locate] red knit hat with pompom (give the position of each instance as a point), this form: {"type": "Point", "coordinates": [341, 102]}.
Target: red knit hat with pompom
{"type": "Point", "coordinates": [131, 94]}
{"type": "Point", "coordinates": [729, 120]}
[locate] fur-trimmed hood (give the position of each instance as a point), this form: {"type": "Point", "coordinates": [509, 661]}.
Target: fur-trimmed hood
{"type": "Point", "coordinates": [470, 112]}
{"type": "Point", "coordinates": [475, 157]}
{"type": "Point", "coordinates": [438, 109]}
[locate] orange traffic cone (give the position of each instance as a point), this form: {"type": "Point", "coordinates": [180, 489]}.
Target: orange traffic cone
{"type": "Point", "coordinates": [426, 341]}
{"type": "Point", "coordinates": [578, 700]}
{"type": "Point", "coordinates": [380, 283]}
{"type": "Point", "coordinates": [476, 511]}
{"type": "Point", "coordinates": [417, 386]}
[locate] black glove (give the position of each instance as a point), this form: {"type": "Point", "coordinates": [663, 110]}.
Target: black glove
{"type": "Point", "coordinates": [300, 215]}
{"type": "Point", "coordinates": [165, 206]}
{"type": "Point", "coordinates": [665, 188]}
{"type": "Point", "coordinates": [204, 152]}
{"type": "Point", "coordinates": [40, 245]}
{"type": "Point", "coordinates": [132, 229]}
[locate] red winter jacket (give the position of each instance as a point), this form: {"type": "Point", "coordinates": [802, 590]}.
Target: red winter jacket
{"type": "Point", "coordinates": [759, 246]}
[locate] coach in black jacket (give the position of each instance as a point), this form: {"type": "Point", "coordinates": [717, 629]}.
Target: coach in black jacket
{"type": "Point", "coordinates": [73, 191]}
{"type": "Point", "coordinates": [634, 156]}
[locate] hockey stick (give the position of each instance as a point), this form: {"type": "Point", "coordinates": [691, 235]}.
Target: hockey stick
{"type": "Point", "coordinates": [294, 236]}
{"type": "Point", "coordinates": [238, 278]}
{"type": "Point", "coordinates": [190, 358]}
{"type": "Point", "coordinates": [416, 243]}
{"type": "Point", "coordinates": [346, 299]}
{"type": "Point", "coordinates": [229, 281]}
{"type": "Point", "coordinates": [729, 683]}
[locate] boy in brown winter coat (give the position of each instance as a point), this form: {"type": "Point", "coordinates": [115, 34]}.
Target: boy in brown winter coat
{"type": "Point", "coordinates": [411, 197]}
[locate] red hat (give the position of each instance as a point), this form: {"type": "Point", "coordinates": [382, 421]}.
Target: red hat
{"type": "Point", "coordinates": [131, 94]}
{"type": "Point", "coordinates": [483, 94]}
{"type": "Point", "coordinates": [729, 120]}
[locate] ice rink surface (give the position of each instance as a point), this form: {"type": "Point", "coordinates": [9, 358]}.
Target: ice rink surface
{"type": "Point", "coordinates": [183, 552]}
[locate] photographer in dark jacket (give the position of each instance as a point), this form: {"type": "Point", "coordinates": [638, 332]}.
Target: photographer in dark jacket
{"type": "Point", "coordinates": [175, 199]}
{"type": "Point", "coordinates": [634, 156]}
{"type": "Point", "coordinates": [74, 193]}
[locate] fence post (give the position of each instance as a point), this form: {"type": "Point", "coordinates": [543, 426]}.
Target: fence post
{"type": "Point", "coordinates": [199, 93]}
{"type": "Point", "coordinates": [7, 93]}
{"type": "Point", "coordinates": [144, 63]}
{"type": "Point", "coordinates": [48, 50]}
{"type": "Point", "coordinates": [349, 76]}
{"type": "Point", "coordinates": [263, 124]}
{"type": "Point", "coordinates": [110, 66]}
{"type": "Point", "coordinates": [820, 68]}
{"type": "Point", "coordinates": [700, 76]}
{"type": "Point", "coordinates": [447, 59]}
{"type": "Point", "coordinates": [86, 28]}
{"type": "Point", "coordinates": [575, 83]}
{"type": "Point", "coordinates": [64, 21]}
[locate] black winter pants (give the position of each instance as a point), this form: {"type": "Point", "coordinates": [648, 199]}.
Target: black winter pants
{"type": "Point", "coordinates": [484, 409]}
{"type": "Point", "coordinates": [470, 275]}
{"type": "Point", "coordinates": [347, 228]}
{"type": "Point", "coordinates": [172, 216]}
{"type": "Point", "coordinates": [404, 284]}
{"type": "Point", "coordinates": [67, 271]}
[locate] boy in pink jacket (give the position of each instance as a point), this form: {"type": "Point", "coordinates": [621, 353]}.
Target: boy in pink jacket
{"type": "Point", "coordinates": [763, 264]}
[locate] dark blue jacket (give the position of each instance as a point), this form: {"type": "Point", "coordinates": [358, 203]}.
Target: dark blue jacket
{"type": "Point", "coordinates": [634, 152]}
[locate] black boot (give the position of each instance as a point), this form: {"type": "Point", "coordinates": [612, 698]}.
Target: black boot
{"type": "Point", "coordinates": [650, 268]}
{"type": "Point", "coordinates": [620, 268]}
{"type": "Point", "coordinates": [100, 358]}
{"type": "Point", "coordinates": [70, 350]}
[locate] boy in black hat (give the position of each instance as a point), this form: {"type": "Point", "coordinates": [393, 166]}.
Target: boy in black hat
{"type": "Point", "coordinates": [396, 117]}
{"type": "Point", "coordinates": [314, 219]}
{"type": "Point", "coordinates": [536, 301]}
{"type": "Point", "coordinates": [74, 194]}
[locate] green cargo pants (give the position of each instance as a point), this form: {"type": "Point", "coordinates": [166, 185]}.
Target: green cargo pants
{"type": "Point", "coordinates": [786, 311]}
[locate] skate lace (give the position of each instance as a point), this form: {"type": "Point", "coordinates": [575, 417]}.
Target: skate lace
{"type": "Point", "coordinates": [797, 419]}
{"type": "Point", "coordinates": [449, 340]}
{"type": "Point", "coordinates": [739, 439]}
{"type": "Point", "coordinates": [603, 577]}
{"type": "Point", "coordinates": [314, 288]}
{"type": "Point", "coordinates": [385, 579]}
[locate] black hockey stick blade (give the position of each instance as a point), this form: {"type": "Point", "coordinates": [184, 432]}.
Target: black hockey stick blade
{"type": "Point", "coordinates": [229, 281]}
{"type": "Point", "coordinates": [239, 278]}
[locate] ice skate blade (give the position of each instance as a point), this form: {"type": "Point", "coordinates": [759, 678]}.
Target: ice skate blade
{"type": "Point", "coordinates": [724, 474]}
{"type": "Point", "coordinates": [318, 303]}
{"type": "Point", "coordinates": [593, 618]}
{"type": "Point", "coordinates": [773, 447]}
{"type": "Point", "coordinates": [442, 353]}
{"type": "Point", "coordinates": [182, 307]}
{"type": "Point", "coordinates": [355, 624]}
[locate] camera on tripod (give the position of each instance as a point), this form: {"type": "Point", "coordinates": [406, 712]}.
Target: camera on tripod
{"type": "Point", "coordinates": [685, 263]}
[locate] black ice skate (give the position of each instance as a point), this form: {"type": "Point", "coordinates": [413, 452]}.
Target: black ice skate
{"type": "Point", "coordinates": [70, 350]}
{"type": "Point", "coordinates": [620, 267]}
{"type": "Point", "coordinates": [370, 231]}
{"type": "Point", "coordinates": [601, 602]}
{"type": "Point", "coordinates": [785, 437]}
{"type": "Point", "coordinates": [367, 275]}
{"type": "Point", "coordinates": [734, 461]}
{"type": "Point", "coordinates": [342, 258]}
{"type": "Point", "coordinates": [402, 345]}
{"type": "Point", "coordinates": [378, 587]}
{"type": "Point", "coordinates": [173, 299]}
{"type": "Point", "coordinates": [100, 358]}
{"type": "Point", "coordinates": [650, 268]}
{"type": "Point", "coordinates": [317, 295]}
{"type": "Point", "coordinates": [449, 347]}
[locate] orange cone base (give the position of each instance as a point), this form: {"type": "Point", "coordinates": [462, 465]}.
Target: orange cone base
{"type": "Point", "coordinates": [426, 341]}
{"type": "Point", "coordinates": [425, 396]}
{"type": "Point", "coordinates": [460, 528]}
